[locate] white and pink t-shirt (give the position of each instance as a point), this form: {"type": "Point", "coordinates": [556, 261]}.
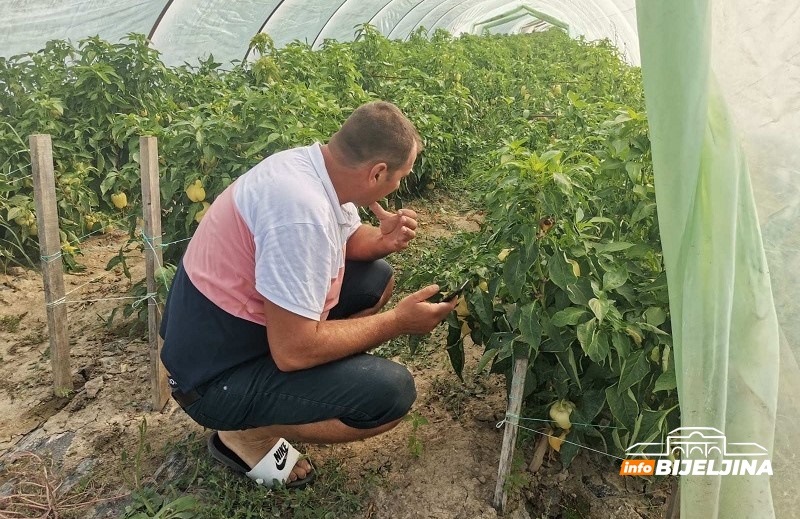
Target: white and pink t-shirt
{"type": "Point", "coordinates": [278, 233]}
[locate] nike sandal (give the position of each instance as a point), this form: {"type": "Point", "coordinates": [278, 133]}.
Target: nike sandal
{"type": "Point", "coordinates": [274, 468]}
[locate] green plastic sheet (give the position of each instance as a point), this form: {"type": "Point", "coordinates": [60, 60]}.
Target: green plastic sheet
{"type": "Point", "coordinates": [725, 328]}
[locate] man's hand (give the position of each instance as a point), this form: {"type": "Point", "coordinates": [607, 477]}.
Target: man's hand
{"type": "Point", "coordinates": [416, 315]}
{"type": "Point", "coordinates": [397, 229]}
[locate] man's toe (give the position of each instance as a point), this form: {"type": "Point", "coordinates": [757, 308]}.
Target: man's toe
{"type": "Point", "coordinates": [301, 470]}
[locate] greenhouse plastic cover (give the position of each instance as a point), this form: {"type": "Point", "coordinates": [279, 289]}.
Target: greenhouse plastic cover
{"type": "Point", "coordinates": [722, 85]}
{"type": "Point", "coordinates": [184, 29]}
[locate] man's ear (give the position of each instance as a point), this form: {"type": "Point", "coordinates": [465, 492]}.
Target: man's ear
{"type": "Point", "coordinates": [378, 171]}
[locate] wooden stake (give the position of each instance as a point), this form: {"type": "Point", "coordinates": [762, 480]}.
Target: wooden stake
{"type": "Point", "coordinates": [44, 194]}
{"type": "Point", "coordinates": [151, 207]}
{"type": "Point", "coordinates": [510, 433]}
{"type": "Point", "coordinates": [538, 454]}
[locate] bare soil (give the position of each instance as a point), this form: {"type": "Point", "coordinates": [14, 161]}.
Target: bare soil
{"type": "Point", "coordinates": [85, 433]}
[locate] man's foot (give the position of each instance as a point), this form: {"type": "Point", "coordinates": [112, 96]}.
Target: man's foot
{"type": "Point", "coordinates": [251, 451]}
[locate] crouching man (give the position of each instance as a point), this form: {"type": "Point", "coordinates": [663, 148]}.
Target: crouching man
{"type": "Point", "coordinates": [278, 296]}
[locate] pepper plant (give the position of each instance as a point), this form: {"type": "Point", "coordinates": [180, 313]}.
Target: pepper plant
{"type": "Point", "coordinates": [568, 273]}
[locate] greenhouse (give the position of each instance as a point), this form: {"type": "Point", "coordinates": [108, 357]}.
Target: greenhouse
{"type": "Point", "coordinates": [606, 192]}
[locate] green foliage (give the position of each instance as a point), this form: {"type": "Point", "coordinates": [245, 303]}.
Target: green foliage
{"type": "Point", "coordinates": [10, 323]}
{"type": "Point", "coordinates": [206, 489]}
{"type": "Point", "coordinates": [149, 504]}
{"type": "Point", "coordinates": [222, 493]}
{"type": "Point", "coordinates": [518, 478]}
{"type": "Point", "coordinates": [574, 278]}
{"type": "Point", "coordinates": [133, 464]}
{"type": "Point", "coordinates": [97, 98]}
{"type": "Point", "coordinates": [415, 445]}
{"type": "Point", "coordinates": [567, 269]}
{"type": "Point", "coordinates": [552, 128]}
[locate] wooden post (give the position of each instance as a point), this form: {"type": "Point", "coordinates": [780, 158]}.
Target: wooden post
{"type": "Point", "coordinates": [151, 207]}
{"type": "Point", "coordinates": [44, 194]}
{"type": "Point", "coordinates": [510, 433]}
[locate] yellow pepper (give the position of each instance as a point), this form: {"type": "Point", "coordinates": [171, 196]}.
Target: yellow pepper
{"type": "Point", "coordinates": [200, 214]}
{"type": "Point", "coordinates": [462, 310]}
{"type": "Point", "coordinates": [196, 192]}
{"type": "Point", "coordinates": [465, 329]}
{"type": "Point", "coordinates": [120, 200]}
{"type": "Point", "coordinates": [555, 443]}
{"type": "Point", "coordinates": [560, 412]}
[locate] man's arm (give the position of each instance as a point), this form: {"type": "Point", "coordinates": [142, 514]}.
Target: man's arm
{"type": "Point", "coordinates": [367, 244]}
{"type": "Point", "coordinates": [297, 342]}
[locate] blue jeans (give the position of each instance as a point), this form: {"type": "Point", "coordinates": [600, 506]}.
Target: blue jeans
{"type": "Point", "coordinates": [363, 391]}
{"type": "Point", "coordinates": [226, 360]}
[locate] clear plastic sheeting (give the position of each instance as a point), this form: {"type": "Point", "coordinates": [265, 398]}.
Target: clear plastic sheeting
{"type": "Point", "coordinates": [428, 14]}
{"type": "Point", "coordinates": [513, 21]}
{"type": "Point", "coordinates": [351, 14]}
{"type": "Point", "coordinates": [27, 26]}
{"type": "Point", "coordinates": [303, 21]}
{"type": "Point", "coordinates": [185, 30]}
{"type": "Point", "coordinates": [528, 26]}
{"type": "Point", "coordinates": [473, 19]}
{"type": "Point", "coordinates": [190, 29]}
{"type": "Point", "coordinates": [755, 56]}
{"type": "Point", "coordinates": [614, 20]}
{"type": "Point", "coordinates": [511, 24]}
{"type": "Point", "coordinates": [401, 13]}
{"type": "Point", "coordinates": [735, 354]}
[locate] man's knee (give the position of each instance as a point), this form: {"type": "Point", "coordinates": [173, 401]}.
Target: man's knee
{"type": "Point", "coordinates": [382, 299]}
{"type": "Point", "coordinates": [366, 288]}
{"type": "Point", "coordinates": [390, 392]}
{"type": "Point", "coordinates": [402, 392]}
{"type": "Point", "coordinates": [387, 294]}
{"type": "Point", "coordinates": [380, 272]}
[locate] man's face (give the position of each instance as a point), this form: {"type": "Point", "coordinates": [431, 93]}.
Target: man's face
{"type": "Point", "coordinates": [389, 181]}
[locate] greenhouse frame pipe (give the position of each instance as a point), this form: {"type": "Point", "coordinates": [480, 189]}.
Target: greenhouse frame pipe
{"type": "Point", "coordinates": [389, 35]}
{"type": "Point", "coordinates": [502, 18]}
{"type": "Point", "coordinates": [378, 12]}
{"type": "Point", "coordinates": [313, 43]}
{"type": "Point", "coordinates": [534, 26]}
{"type": "Point", "coordinates": [158, 20]}
{"type": "Point", "coordinates": [549, 19]}
{"type": "Point", "coordinates": [390, 2]}
{"type": "Point", "coordinates": [513, 18]}
{"type": "Point", "coordinates": [261, 29]}
{"type": "Point", "coordinates": [412, 10]}
{"type": "Point", "coordinates": [463, 23]}
{"type": "Point", "coordinates": [515, 26]}
{"type": "Point", "coordinates": [434, 23]}
{"type": "Point", "coordinates": [458, 3]}
{"type": "Point", "coordinates": [501, 21]}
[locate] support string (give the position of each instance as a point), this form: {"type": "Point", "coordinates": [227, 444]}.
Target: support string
{"type": "Point", "coordinates": [506, 421]}
{"type": "Point", "coordinates": [522, 418]}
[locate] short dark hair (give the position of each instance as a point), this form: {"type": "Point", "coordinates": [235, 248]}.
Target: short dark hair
{"type": "Point", "coordinates": [377, 131]}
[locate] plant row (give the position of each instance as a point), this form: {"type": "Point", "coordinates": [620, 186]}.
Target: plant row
{"type": "Point", "coordinates": [567, 268]}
